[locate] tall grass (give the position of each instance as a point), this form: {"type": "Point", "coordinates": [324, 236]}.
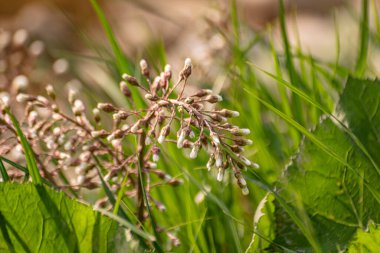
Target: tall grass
{"type": "Point", "coordinates": [307, 87]}
{"type": "Point", "coordinates": [209, 216]}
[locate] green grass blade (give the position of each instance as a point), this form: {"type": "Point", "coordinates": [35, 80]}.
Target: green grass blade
{"type": "Point", "coordinates": [3, 172]}
{"type": "Point", "coordinates": [107, 190]}
{"type": "Point", "coordinates": [29, 154]}
{"type": "Point", "coordinates": [23, 169]}
{"type": "Point", "coordinates": [293, 75]}
{"type": "Point", "coordinates": [361, 63]}
{"type": "Point", "coordinates": [17, 166]}
{"type": "Point", "coordinates": [282, 91]}
{"type": "Point", "coordinates": [313, 102]}
{"type": "Point", "coordinates": [235, 22]}
{"type": "Point", "coordinates": [120, 58]}
{"type": "Point", "coordinates": [294, 89]}
{"type": "Point", "coordinates": [127, 224]}
{"type": "Point", "coordinates": [157, 246]}
{"type": "Point", "coordinates": [318, 143]}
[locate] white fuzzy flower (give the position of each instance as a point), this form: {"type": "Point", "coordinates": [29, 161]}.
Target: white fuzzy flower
{"type": "Point", "coordinates": [161, 139]}
{"type": "Point", "coordinates": [194, 152]}
{"type": "Point", "coordinates": [156, 157]}
{"type": "Point", "coordinates": [181, 139]}
{"type": "Point", "coordinates": [219, 177]}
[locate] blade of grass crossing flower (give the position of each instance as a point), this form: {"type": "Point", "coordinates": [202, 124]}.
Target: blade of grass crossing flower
{"type": "Point", "coordinates": [121, 214]}
{"type": "Point", "coordinates": [3, 172]}
{"type": "Point", "coordinates": [235, 22]}
{"type": "Point", "coordinates": [361, 63]}
{"type": "Point", "coordinates": [29, 154]}
{"type": "Point", "coordinates": [23, 169]}
{"type": "Point", "coordinates": [377, 20]}
{"type": "Point", "coordinates": [107, 190]}
{"type": "Point", "coordinates": [156, 245]}
{"type": "Point", "coordinates": [222, 206]}
{"type": "Point", "coordinates": [120, 58]}
{"type": "Point", "coordinates": [17, 166]}
{"type": "Point", "coordinates": [127, 224]}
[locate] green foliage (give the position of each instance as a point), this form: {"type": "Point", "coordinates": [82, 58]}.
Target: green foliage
{"type": "Point", "coordinates": [263, 223]}
{"type": "Point", "coordinates": [29, 154]}
{"type": "Point", "coordinates": [120, 59]}
{"type": "Point", "coordinates": [326, 200]}
{"type": "Point", "coordinates": [34, 218]}
{"type": "Point", "coordinates": [366, 241]}
{"type": "Point", "coordinates": [3, 172]}
{"type": "Point", "coordinates": [334, 198]}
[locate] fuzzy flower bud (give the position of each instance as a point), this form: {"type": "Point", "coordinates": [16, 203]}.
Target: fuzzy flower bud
{"type": "Point", "coordinates": [99, 134]}
{"type": "Point", "coordinates": [220, 175]}
{"type": "Point", "coordinates": [195, 150]}
{"type": "Point", "coordinates": [186, 71]}
{"type": "Point", "coordinates": [151, 97]}
{"type": "Point", "coordinates": [124, 89]}
{"type": "Point", "coordinates": [148, 141]}
{"type": "Point", "coordinates": [210, 162]}
{"type": "Point", "coordinates": [237, 149]}
{"type": "Point", "coordinates": [20, 83]}
{"type": "Point", "coordinates": [50, 91]}
{"type": "Point", "coordinates": [240, 131]}
{"type": "Point", "coordinates": [107, 107]}
{"type": "Point", "coordinates": [120, 116]}
{"type": "Point", "coordinates": [181, 138]}
{"type": "Point", "coordinates": [135, 127]}
{"type": "Point", "coordinates": [131, 80]}
{"type": "Point", "coordinates": [203, 93]}
{"type": "Point", "coordinates": [78, 107]}
{"type": "Point", "coordinates": [96, 114]}
{"type": "Point", "coordinates": [218, 160]}
{"type": "Point", "coordinates": [80, 179]}
{"type": "Point", "coordinates": [4, 99]}
{"type": "Point", "coordinates": [228, 113]}
{"type": "Point", "coordinates": [22, 98]}
{"type": "Point", "coordinates": [144, 68]}
{"type": "Point", "coordinates": [156, 154]}
{"type": "Point", "coordinates": [245, 160]}
{"type": "Point", "coordinates": [164, 132]}
{"type": "Point", "coordinates": [245, 191]}
{"type": "Point", "coordinates": [215, 138]}
{"type": "Point", "coordinates": [168, 72]}
{"type": "Point", "coordinates": [213, 99]}
{"type": "Point", "coordinates": [72, 95]}
{"type": "Point", "coordinates": [155, 85]}
{"type": "Point", "coordinates": [243, 142]}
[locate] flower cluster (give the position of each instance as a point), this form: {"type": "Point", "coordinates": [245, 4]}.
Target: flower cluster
{"type": "Point", "coordinates": [75, 149]}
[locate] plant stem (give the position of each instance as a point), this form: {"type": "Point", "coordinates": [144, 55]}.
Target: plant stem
{"type": "Point", "coordinates": [141, 195]}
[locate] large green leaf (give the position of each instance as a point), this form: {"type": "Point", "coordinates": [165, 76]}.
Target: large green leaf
{"type": "Point", "coordinates": [360, 103]}
{"type": "Point", "coordinates": [335, 199]}
{"type": "Point", "coordinates": [34, 218]}
{"type": "Point", "coordinates": [263, 225]}
{"type": "Point", "coordinates": [366, 241]}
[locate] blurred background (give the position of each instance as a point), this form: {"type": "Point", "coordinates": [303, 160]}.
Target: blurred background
{"type": "Point", "coordinates": [181, 25]}
{"type": "Point", "coordinates": [197, 29]}
{"type": "Point", "coordinates": [73, 51]}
